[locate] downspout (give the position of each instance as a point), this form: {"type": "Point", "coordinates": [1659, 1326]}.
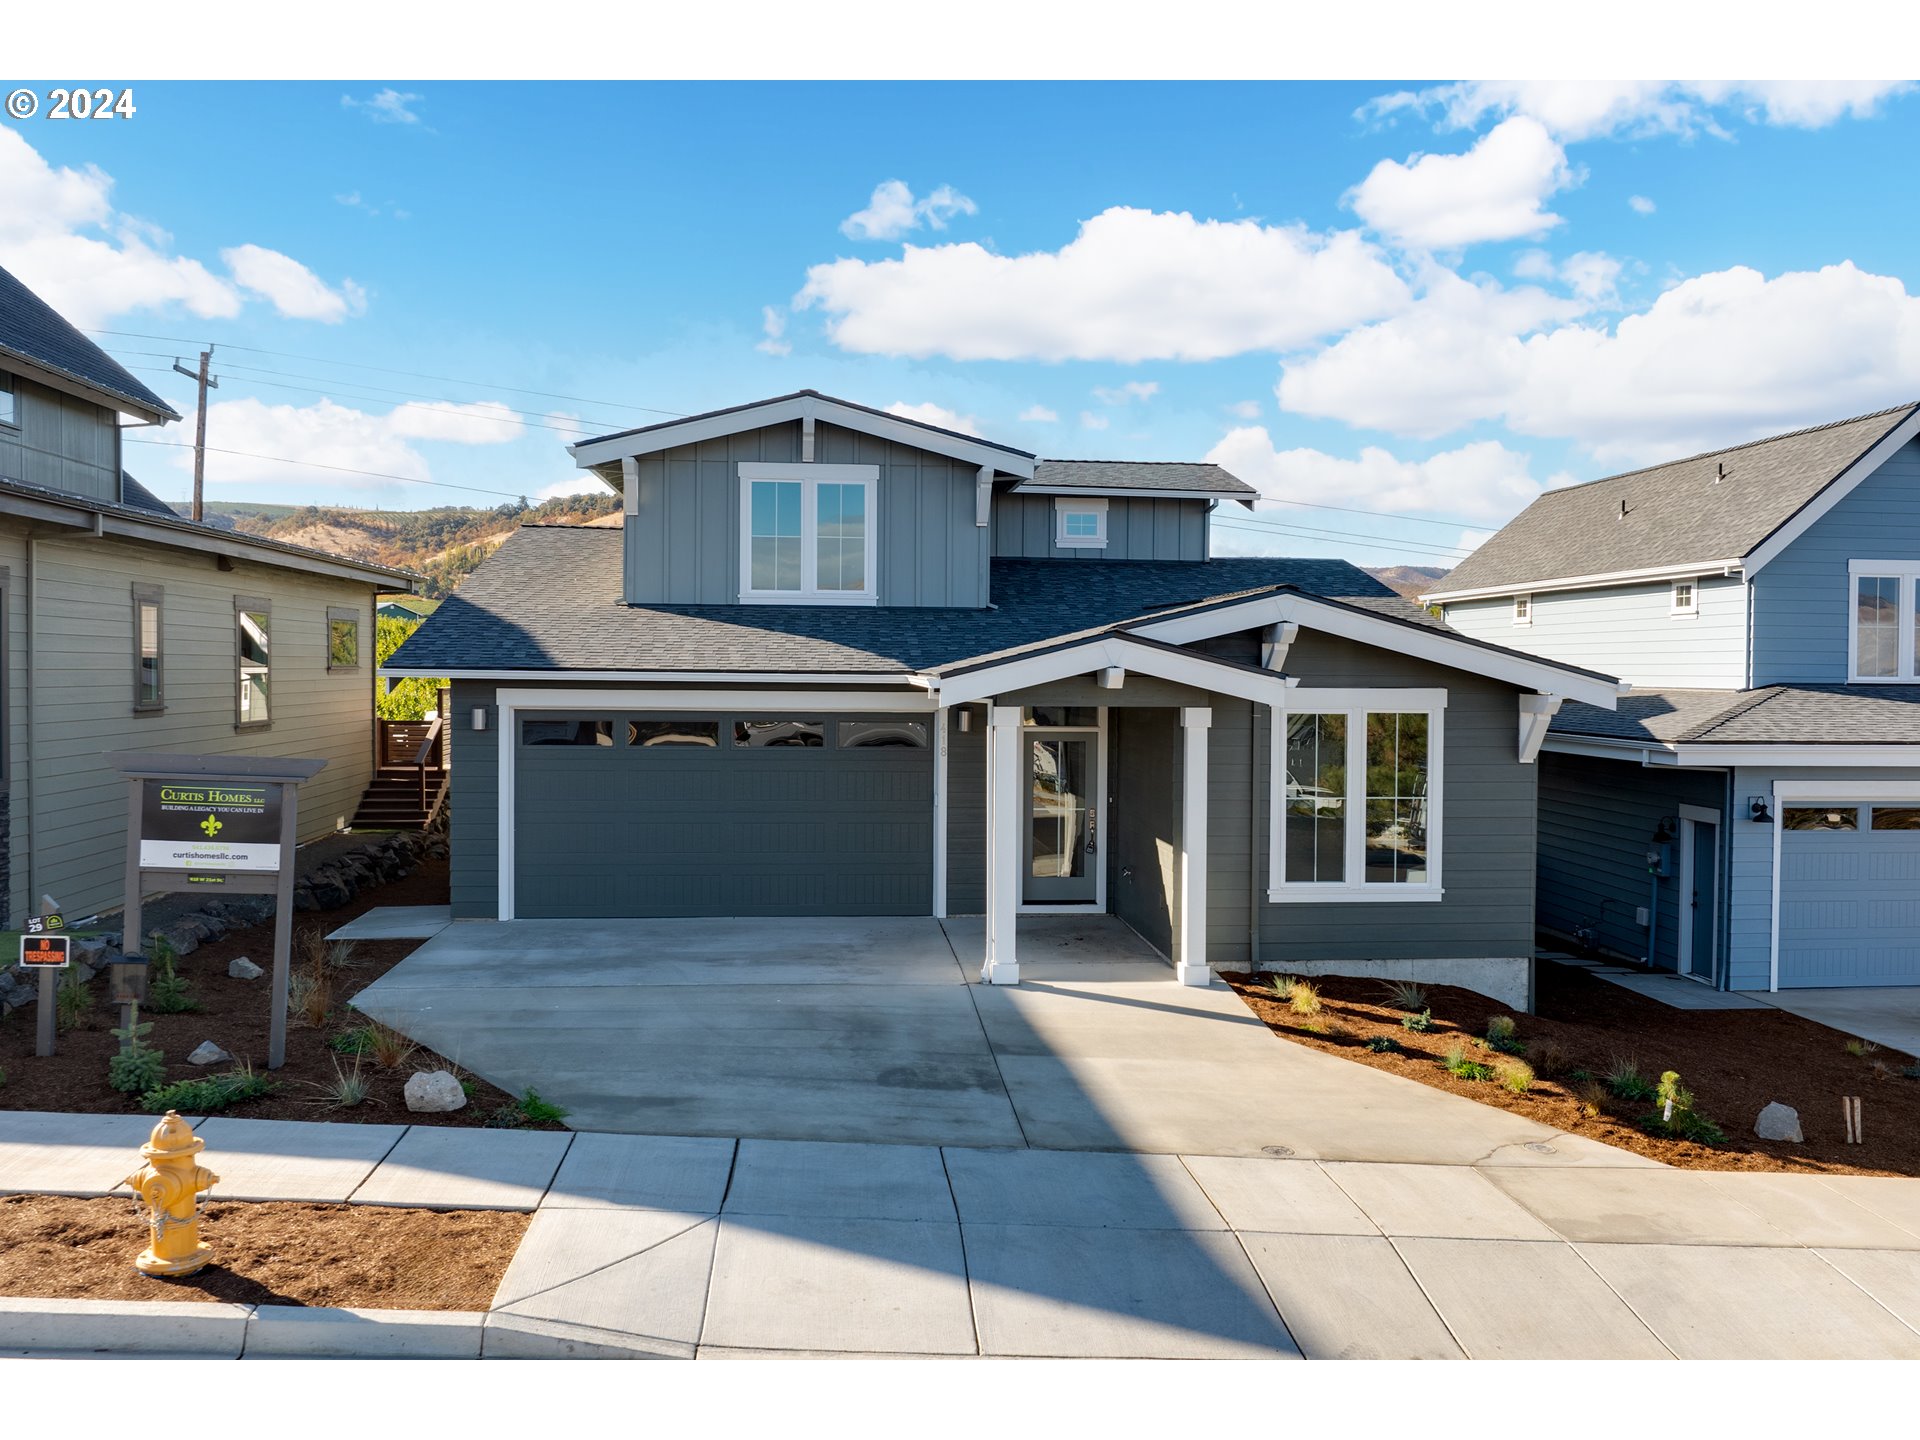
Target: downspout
{"type": "Point", "coordinates": [1253, 838]}
{"type": "Point", "coordinates": [26, 767]}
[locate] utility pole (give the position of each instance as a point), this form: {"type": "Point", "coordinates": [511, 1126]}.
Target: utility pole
{"type": "Point", "coordinates": [207, 382]}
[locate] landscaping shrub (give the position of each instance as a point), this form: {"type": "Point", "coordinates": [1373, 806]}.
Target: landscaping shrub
{"type": "Point", "coordinates": [538, 1111]}
{"type": "Point", "coordinates": [1676, 1118]}
{"type": "Point", "coordinates": [310, 996]}
{"type": "Point", "coordinates": [1517, 1076]}
{"type": "Point", "coordinates": [1503, 1035]}
{"type": "Point", "coordinates": [354, 1040]}
{"type": "Point", "coordinates": [389, 1048]}
{"type": "Point", "coordinates": [138, 1067]}
{"type": "Point", "coordinates": [207, 1094]}
{"type": "Point", "coordinates": [1626, 1082]}
{"type": "Point", "coordinates": [1385, 1045]}
{"type": "Point", "coordinates": [1592, 1096]}
{"type": "Point", "coordinates": [1549, 1057]}
{"type": "Point", "coordinates": [1283, 986]}
{"type": "Point", "coordinates": [1460, 1067]}
{"type": "Point", "coordinates": [1861, 1049]}
{"type": "Point", "coordinates": [1304, 1000]}
{"type": "Point", "coordinates": [347, 1088]}
{"type": "Point", "coordinates": [72, 1001]}
{"type": "Point", "coordinates": [1406, 995]}
{"type": "Point", "coordinates": [1420, 1024]}
{"type": "Point", "coordinates": [167, 992]}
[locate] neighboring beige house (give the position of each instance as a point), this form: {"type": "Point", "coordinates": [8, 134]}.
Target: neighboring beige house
{"type": "Point", "coordinates": [129, 627]}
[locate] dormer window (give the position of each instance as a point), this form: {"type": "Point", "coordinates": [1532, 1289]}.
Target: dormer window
{"type": "Point", "coordinates": [1523, 609]}
{"type": "Point", "coordinates": [1883, 638]}
{"type": "Point", "coordinates": [9, 413]}
{"type": "Point", "coordinates": [1080, 524]}
{"type": "Point", "coordinates": [808, 534]}
{"type": "Point", "coordinates": [1686, 599]}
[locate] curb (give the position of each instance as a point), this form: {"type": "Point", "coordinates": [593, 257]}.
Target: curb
{"type": "Point", "coordinates": [220, 1331]}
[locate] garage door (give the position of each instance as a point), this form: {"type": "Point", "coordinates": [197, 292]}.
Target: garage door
{"type": "Point", "coordinates": [1849, 895]}
{"type": "Point", "coordinates": [628, 814]}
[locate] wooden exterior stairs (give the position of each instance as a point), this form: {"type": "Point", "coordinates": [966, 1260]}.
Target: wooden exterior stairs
{"type": "Point", "coordinates": [410, 774]}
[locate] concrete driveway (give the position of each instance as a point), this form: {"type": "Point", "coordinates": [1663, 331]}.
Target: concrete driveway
{"type": "Point", "coordinates": [1888, 1016]}
{"type": "Point", "coordinates": [874, 1030]}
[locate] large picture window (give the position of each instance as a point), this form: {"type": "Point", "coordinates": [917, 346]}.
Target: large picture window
{"type": "Point", "coordinates": [808, 533]}
{"type": "Point", "coordinates": [1883, 638]}
{"type": "Point", "coordinates": [1356, 797]}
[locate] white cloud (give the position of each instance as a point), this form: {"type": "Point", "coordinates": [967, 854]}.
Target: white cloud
{"type": "Point", "coordinates": [1039, 415]}
{"type": "Point", "coordinates": [1091, 421]}
{"type": "Point", "coordinates": [486, 423]}
{"type": "Point", "coordinates": [386, 107]}
{"type": "Point", "coordinates": [931, 414]}
{"type": "Point", "coordinates": [1484, 480]}
{"type": "Point", "coordinates": [1132, 285]}
{"type": "Point", "coordinates": [893, 210]}
{"type": "Point", "coordinates": [1592, 275]}
{"type": "Point", "coordinates": [1588, 109]}
{"type": "Point", "coordinates": [1640, 205]}
{"type": "Point", "coordinates": [1142, 390]}
{"type": "Point", "coordinates": [773, 327]}
{"type": "Point", "coordinates": [1244, 409]}
{"type": "Point", "coordinates": [1717, 358]}
{"type": "Point", "coordinates": [60, 233]}
{"type": "Point", "coordinates": [293, 289]}
{"type": "Point", "coordinates": [1492, 192]}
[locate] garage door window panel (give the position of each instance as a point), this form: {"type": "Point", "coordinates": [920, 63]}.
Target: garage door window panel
{"type": "Point", "coordinates": [880, 734]}
{"type": "Point", "coordinates": [779, 734]}
{"type": "Point", "coordinates": [566, 732]}
{"type": "Point", "coordinates": [1820, 817]}
{"type": "Point", "coordinates": [1896, 817]}
{"type": "Point", "coordinates": [668, 734]}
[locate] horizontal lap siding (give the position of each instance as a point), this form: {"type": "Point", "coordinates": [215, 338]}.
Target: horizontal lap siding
{"type": "Point", "coordinates": [473, 806]}
{"type": "Point", "coordinates": [83, 696]}
{"type": "Point", "coordinates": [1626, 630]}
{"type": "Point", "coordinates": [1137, 529]}
{"type": "Point", "coordinates": [1488, 820]}
{"type": "Point", "coordinates": [1597, 819]}
{"type": "Point", "coordinates": [682, 540]}
{"type": "Point", "coordinates": [1801, 599]}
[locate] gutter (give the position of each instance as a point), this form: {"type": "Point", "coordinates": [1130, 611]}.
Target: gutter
{"type": "Point", "coordinates": [1586, 582]}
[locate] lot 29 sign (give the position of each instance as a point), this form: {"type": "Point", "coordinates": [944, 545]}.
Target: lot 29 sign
{"type": "Point", "coordinates": [184, 826]}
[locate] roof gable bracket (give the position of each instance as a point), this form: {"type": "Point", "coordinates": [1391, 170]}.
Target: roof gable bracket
{"type": "Point", "coordinates": [1275, 641]}
{"type": "Point", "coordinates": [1536, 714]}
{"type": "Point", "coordinates": [983, 496]}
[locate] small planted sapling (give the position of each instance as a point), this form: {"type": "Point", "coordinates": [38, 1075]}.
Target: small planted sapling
{"type": "Point", "coordinates": [1420, 1024]}
{"type": "Point", "coordinates": [137, 1067]}
{"type": "Point", "coordinates": [1503, 1034]}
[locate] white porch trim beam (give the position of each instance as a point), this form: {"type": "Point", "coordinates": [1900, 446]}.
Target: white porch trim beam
{"type": "Point", "coordinates": [940, 727]}
{"type": "Point", "coordinates": [1191, 962]}
{"type": "Point", "coordinates": [1112, 652]}
{"type": "Point", "coordinates": [1536, 714]}
{"type": "Point", "coordinates": [1001, 964]}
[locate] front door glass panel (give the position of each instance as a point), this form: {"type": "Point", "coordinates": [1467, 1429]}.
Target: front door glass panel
{"type": "Point", "coordinates": [1062, 819]}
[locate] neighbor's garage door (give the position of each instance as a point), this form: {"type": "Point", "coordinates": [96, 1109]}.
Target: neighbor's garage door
{"type": "Point", "coordinates": [621, 814]}
{"type": "Point", "coordinates": [1849, 895]}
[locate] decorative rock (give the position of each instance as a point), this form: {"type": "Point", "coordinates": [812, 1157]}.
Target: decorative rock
{"type": "Point", "coordinates": [434, 1091]}
{"type": "Point", "coordinates": [1779, 1122]}
{"type": "Point", "coordinates": [241, 968]}
{"type": "Point", "coordinates": [208, 1053]}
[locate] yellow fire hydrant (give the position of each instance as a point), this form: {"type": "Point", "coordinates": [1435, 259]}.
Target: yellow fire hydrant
{"type": "Point", "coordinates": [170, 1184]}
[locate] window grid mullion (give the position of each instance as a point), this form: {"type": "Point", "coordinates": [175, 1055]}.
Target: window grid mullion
{"type": "Point", "coordinates": [1356, 806]}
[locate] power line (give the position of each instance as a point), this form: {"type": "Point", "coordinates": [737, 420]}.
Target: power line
{"type": "Point", "coordinates": [342, 469]}
{"type": "Point", "coordinates": [410, 374]}
{"type": "Point", "coordinates": [1409, 519]}
{"type": "Point", "coordinates": [1371, 541]}
{"type": "Point", "coordinates": [1249, 523]}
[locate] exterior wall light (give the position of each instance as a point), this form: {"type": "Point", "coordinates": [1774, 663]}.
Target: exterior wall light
{"type": "Point", "coordinates": [479, 717]}
{"type": "Point", "coordinates": [1758, 812]}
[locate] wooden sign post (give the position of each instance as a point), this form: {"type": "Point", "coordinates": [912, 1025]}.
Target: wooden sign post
{"type": "Point", "coordinates": [44, 946]}
{"type": "Point", "coordinates": [217, 822]}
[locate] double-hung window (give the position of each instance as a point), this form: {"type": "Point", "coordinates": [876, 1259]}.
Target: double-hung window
{"type": "Point", "coordinates": [809, 533]}
{"type": "Point", "coordinates": [1883, 641]}
{"type": "Point", "coordinates": [1355, 804]}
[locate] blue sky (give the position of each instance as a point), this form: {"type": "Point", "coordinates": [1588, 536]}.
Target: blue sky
{"type": "Point", "coordinates": [1421, 302]}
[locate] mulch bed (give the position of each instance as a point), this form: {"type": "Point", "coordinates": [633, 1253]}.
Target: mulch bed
{"type": "Point", "coordinates": [1734, 1062]}
{"type": "Point", "coordinates": [233, 1014]}
{"type": "Point", "coordinates": [270, 1253]}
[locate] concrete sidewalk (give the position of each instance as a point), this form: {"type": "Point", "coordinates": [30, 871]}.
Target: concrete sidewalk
{"type": "Point", "coordinates": [720, 1248]}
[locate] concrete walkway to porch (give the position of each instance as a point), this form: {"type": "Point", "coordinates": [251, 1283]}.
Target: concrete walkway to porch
{"type": "Point", "coordinates": [875, 1030]}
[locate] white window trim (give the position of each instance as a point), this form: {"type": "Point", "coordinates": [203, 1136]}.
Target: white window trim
{"type": "Point", "coordinates": [1907, 572]}
{"type": "Point", "coordinates": [1523, 609]}
{"type": "Point", "coordinates": [811, 475]}
{"type": "Point", "coordinates": [1355, 705]}
{"type": "Point", "coordinates": [1064, 506]}
{"type": "Point", "coordinates": [1689, 611]}
{"type": "Point", "coordinates": [10, 417]}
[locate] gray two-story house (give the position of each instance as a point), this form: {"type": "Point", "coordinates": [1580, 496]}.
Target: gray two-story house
{"type": "Point", "coordinates": [127, 626]}
{"type": "Point", "coordinates": [838, 662]}
{"type": "Point", "coordinates": [1750, 813]}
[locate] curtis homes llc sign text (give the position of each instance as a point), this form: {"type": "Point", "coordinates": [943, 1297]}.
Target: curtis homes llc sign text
{"type": "Point", "coordinates": [209, 827]}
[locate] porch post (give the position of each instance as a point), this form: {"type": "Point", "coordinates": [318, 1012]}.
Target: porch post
{"type": "Point", "coordinates": [1002, 966]}
{"type": "Point", "coordinates": [941, 724]}
{"type": "Point", "coordinates": [1191, 968]}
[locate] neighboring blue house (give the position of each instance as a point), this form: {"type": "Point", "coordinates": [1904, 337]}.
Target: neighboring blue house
{"type": "Point", "coordinates": [839, 662]}
{"type": "Point", "coordinates": [1750, 814]}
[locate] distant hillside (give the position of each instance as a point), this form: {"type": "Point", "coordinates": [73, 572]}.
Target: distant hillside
{"type": "Point", "coordinates": [443, 544]}
{"type": "Point", "coordinates": [1412, 581]}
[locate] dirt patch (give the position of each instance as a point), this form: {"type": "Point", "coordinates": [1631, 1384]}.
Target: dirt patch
{"type": "Point", "coordinates": [271, 1253]}
{"type": "Point", "coordinates": [1734, 1062]}
{"type": "Point", "coordinates": [233, 1014]}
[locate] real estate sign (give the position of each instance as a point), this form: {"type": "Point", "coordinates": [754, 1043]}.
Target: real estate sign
{"type": "Point", "coordinates": [187, 825]}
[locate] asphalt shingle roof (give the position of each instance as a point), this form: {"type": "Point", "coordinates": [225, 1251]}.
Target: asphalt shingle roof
{"type": "Point", "coordinates": [1717, 506]}
{"type": "Point", "coordinates": [1771, 715]}
{"type": "Point", "coordinates": [33, 331]}
{"type": "Point", "coordinates": [550, 599]}
{"type": "Point", "coordinates": [1174, 475]}
{"type": "Point", "coordinates": [133, 493]}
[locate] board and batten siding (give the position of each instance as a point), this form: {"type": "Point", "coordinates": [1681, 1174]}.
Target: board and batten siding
{"type": "Point", "coordinates": [81, 691]}
{"type": "Point", "coordinates": [473, 804]}
{"type": "Point", "coordinates": [1597, 821]}
{"type": "Point", "coordinates": [1801, 600]}
{"type": "Point", "coordinates": [1487, 827]}
{"type": "Point", "coordinates": [1137, 529]}
{"type": "Point", "coordinates": [61, 442]}
{"type": "Point", "coordinates": [1626, 630]}
{"type": "Point", "coordinates": [683, 536]}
